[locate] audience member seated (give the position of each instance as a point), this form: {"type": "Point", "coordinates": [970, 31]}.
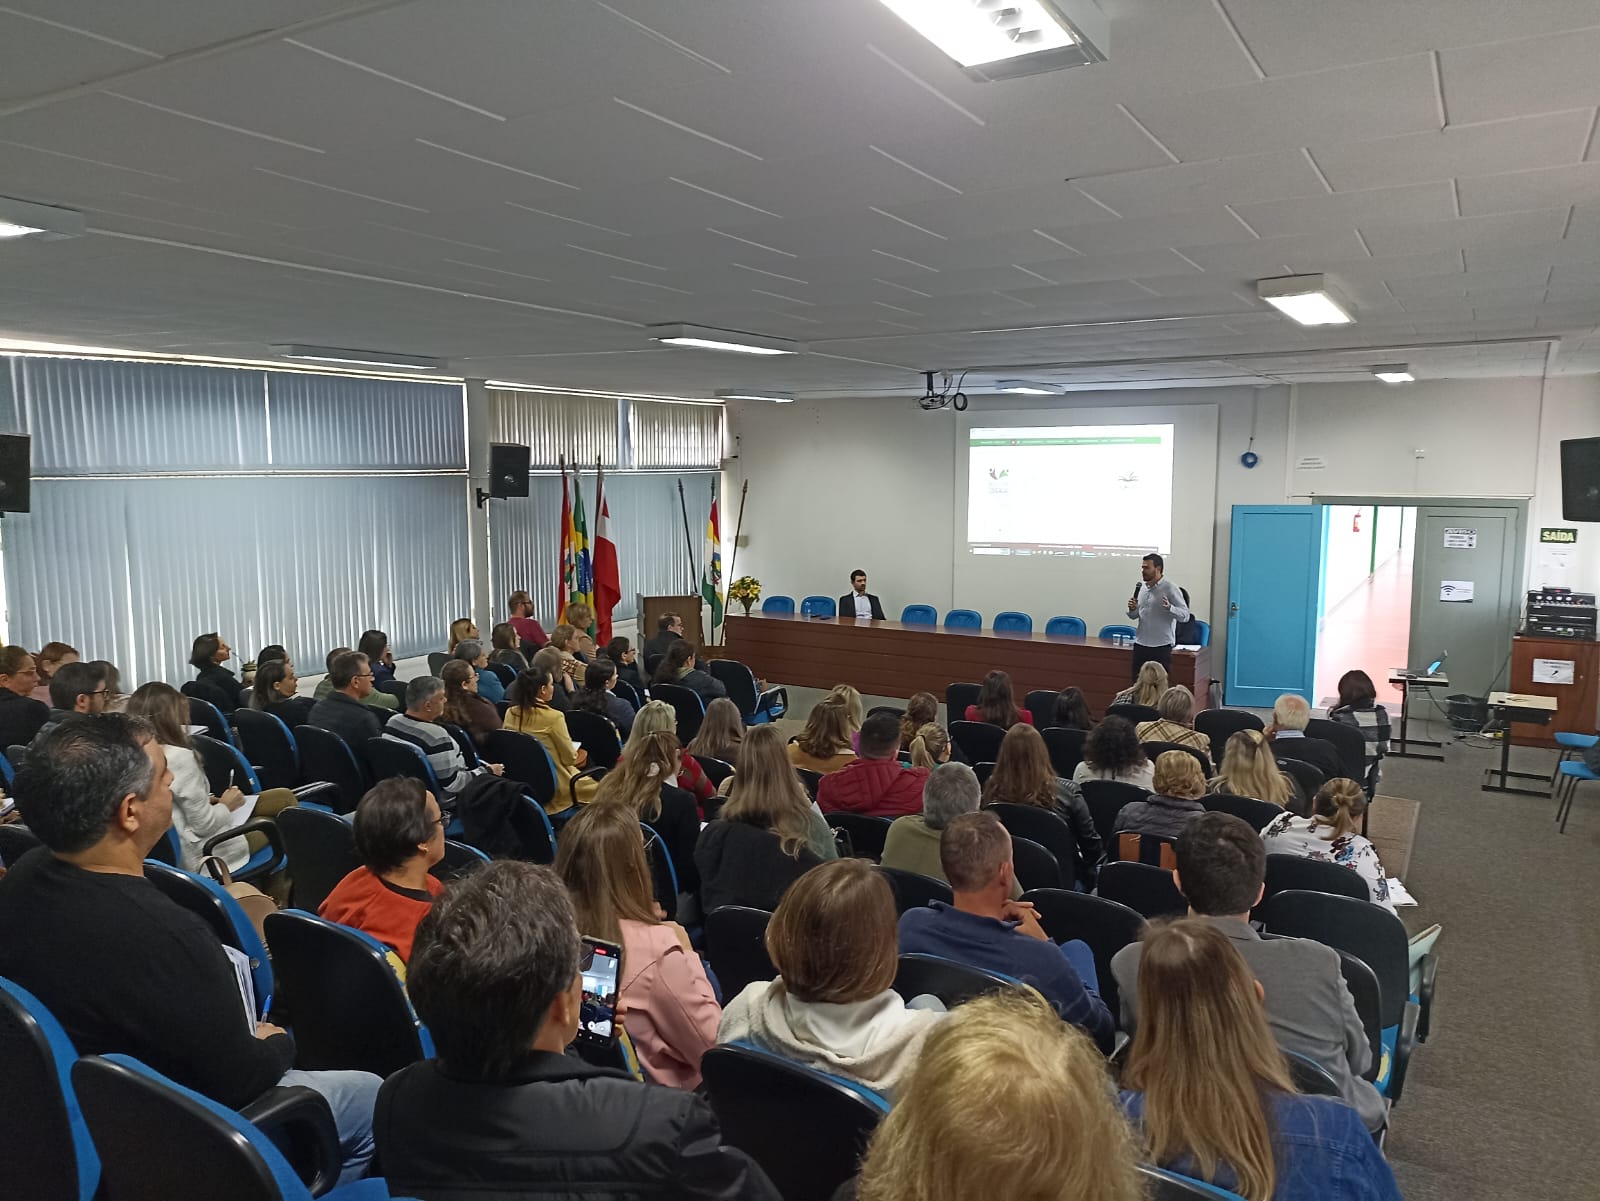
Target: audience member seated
{"type": "Point", "coordinates": [520, 606]}
{"type": "Point", "coordinates": [565, 639]}
{"type": "Point", "coordinates": [342, 711]}
{"type": "Point", "coordinates": [490, 688]}
{"type": "Point", "coordinates": [462, 705]}
{"type": "Point", "coordinates": [598, 696]}
{"type": "Point", "coordinates": [987, 929]}
{"type": "Point", "coordinates": [532, 713]}
{"type": "Point", "coordinates": [995, 705]}
{"type": "Point", "coordinates": [1222, 873]}
{"type": "Point", "coordinates": [658, 717]}
{"type": "Point", "coordinates": [51, 657]}
{"type": "Point", "coordinates": [720, 733]}
{"type": "Point", "coordinates": [399, 836]}
{"type": "Point", "coordinates": [1209, 1089]}
{"type": "Point", "coordinates": [669, 629]}
{"type": "Point", "coordinates": [1249, 769]}
{"type": "Point", "coordinates": [913, 841]}
{"type": "Point", "coordinates": [76, 688]}
{"type": "Point", "coordinates": [1287, 733]}
{"type": "Point", "coordinates": [419, 726]}
{"type": "Point", "coordinates": [621, 652]}
{"type": "Point", "coordinates": [641, 783]}
{"type": "Point", "coordinates": [116, 699]}
{"type": "Point", "coordinates": [1112, 752]}
{"type": "Point", "coordinates": [672, 1012]}
{"type": "Point", "coordinates": [1358, 706]}
{"type": "Point", "coordinates": [503, 1112]}
{"type": "Point", "coordinates": [214, 682]}
{"type": "Point", "coordinates": [275, 691]}
{"type": "Point", "coordinates": [680, 667]}
{"type": "Point", "coordinates": [855, 708]}
{"type": "Point", "coordinates": [121, 967]}
{"type": "Point", "coordinates": [1332, 834]}
{"type": "Point", "coordinates": [580, 616]}
{"type": "Point", "coordinates": [930, 747]}
{"type": "Point", "coordinates": [877, 783]}
{"type": "Point", "coordinates": [461, 629]}
{"type": "Point", "coordinates": [833, 1007]}
{"type": "Point", "coordinates": [197, 815]}
{"type": "Point", "coordinates": [1147, 688]}
{"type": "Point", "coordinates": [1174, 798]}
{"type": "Point", "coordinates": [1176, 723]}
{"type": "Point", "coordinates": [374, 644]}
{"type": "Point", "coordinates": [824, 745]}
{"type": "Point", "coordinates": [561, 668]}
{"type": "Point", "coordinates": [507, 647]}
{"type": "Point", "coordinates": [1006, 1101]}
{"type": "Point", "coordinates": [1072, 710]}
{"type": "Point", "coordinates": [766, 836]}
{"type": "Point", "coordinates": [21, 717]}
{"type": "Point", "coordinates": [921, 710]}
{"type": "Point", "coordinates": [373, 699]}
{"type": "Point", "coordinates": [1024, 775]}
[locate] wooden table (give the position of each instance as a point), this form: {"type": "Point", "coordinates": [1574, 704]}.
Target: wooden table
{"type": "Point", "coordinates": [891, 658]}
{"type": "Point", "coordinates": [1577, 704]}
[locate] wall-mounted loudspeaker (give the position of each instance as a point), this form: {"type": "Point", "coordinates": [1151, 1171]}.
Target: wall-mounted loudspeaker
{"type": "Point", "coordinates": [508, 469]}
{"type": "Point", "coordinates": [15, 473]}
{"type": "Point", "coordinates": [1580, 479]}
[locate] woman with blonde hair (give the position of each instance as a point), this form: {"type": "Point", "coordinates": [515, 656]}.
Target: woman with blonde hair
{"type": "Point", "coordinates": [1024, 775]}
{"type": "Point", "coordinates": [720, 733]}
{"type": "Point", "coordinates": [580, 617]}
{"type": "Point", "coordinates": [532, 713]}
{"type": "Point", "coordinates": [922, 709]}
{"type": "Point", "coordinates": [835, 942]}
{"type": "Point", "coordinates": [1249, 769]}
{"type": "Point", "coordinates": [643, 782]}
{"type": "Point", "coordinates": [1147, 689]}
{"type": "Point", "coordinates": [957, 1132]}
{"type": "Point", "coordinates": [461, 630]}
{"type": "Point", "coordinates": [766, 836]}
{"type": "Point", "coordinates": [1179, 785]}
{"type": "Point", "coordinates": [854, 708]}
{"type": "Point", "coordinates": [658, 717]}
{"type": "Point", "coordinates": [930, 747]}
{"type": "Point", "coordinates": [1208, 1089]}
{"type": "Point", "coordinates": [824, 745]}
{"type": "Point", "coordinates": [1332, 834]}
{"type": "Point", "coordinates": [672, 1011]}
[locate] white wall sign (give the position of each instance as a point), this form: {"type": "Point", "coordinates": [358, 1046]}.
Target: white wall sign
{"type": "Point", "coordinates": [1455, 590]}
{"type": "Point", "coordinates": [1460, 539]}
{"type": "Point", "coordinates": [1553, 671]}
{"type": "Point", "coordinates": [1311, 463]}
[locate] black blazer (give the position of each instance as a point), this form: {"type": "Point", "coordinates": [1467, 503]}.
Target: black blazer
{"type": "Point", "coordinates": [556, 1128]}
{"type": "Point", "coordinates": [219, 686]}
{"type": "Point", "coordinates": [847, 606]}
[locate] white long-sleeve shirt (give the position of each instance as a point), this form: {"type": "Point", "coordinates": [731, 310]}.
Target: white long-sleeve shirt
{"type": "Point", "coordinates": [1158, 624]}
{"type": "Point", "coordinates": [196, 816]}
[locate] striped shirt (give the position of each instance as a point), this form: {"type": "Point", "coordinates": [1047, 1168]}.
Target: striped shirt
{"type": "Point", "coordinates": [444, 756]}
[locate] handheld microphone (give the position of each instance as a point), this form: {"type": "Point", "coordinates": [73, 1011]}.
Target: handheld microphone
{"type": "Point", "coordinates": [1136, 588]}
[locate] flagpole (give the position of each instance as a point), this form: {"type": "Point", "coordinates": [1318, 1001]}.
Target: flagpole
{"type": "Point", "coordinates": [738, 525]}
{"type": "Point", "coordinates": [688, 542]}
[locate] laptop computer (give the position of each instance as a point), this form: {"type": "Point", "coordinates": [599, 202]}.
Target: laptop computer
{"type": "Point", "coordinates": [1431, 670]}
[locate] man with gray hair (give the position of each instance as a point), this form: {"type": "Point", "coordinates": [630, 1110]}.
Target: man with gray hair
{"type": "Point", "coordinates": [1287, 733]}
{"type": "Point", "coordinates": [1176, 723]}
{"type": "Point", "coordinates": [419, 726]}
{"type": "Point", "coordinates": [344, 710]}
{"type": "Point", "coordinates": [912, 844]}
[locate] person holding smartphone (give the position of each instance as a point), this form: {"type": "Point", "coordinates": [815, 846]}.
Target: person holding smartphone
{"type": "Point", "coordinates": [496, 973]}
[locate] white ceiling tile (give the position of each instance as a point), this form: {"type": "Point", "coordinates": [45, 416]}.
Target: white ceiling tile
{"type": "Point", "coordinates": [1308, 215]}
{"type": "Point", "coordinates": [1547, 188]}
{"type": "Point", "coordinates": [168, 27]}
{"type": "Point", "coordinates": [41, 58]}
{"type": "Point", "coordinates": [1510, 229]}
{"type": "Point", "coordinates": [1183, 187]}
{"type": "Point", "coordinates": [1533, 75]}
{"type": "Point", "coordinates": [1545, 140]}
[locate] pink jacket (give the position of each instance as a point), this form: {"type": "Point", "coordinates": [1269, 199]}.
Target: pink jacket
{"type": "Point", "coordinates": [672, 1014]}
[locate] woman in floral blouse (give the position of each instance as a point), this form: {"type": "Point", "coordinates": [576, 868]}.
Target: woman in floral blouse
{"type": "Point", "coordinates": [1331, 835]}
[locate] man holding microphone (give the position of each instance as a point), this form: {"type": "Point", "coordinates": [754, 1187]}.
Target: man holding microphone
{"type": "Point", "coordinates": [1159, 607]}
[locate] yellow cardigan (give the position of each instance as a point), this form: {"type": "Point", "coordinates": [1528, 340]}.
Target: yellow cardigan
{"type": "Point", "coordinates": [550, 727]}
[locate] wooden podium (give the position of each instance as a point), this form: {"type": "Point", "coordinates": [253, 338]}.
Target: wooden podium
{"type": "Point", "coordinates": [652, 608]}
{"type": "Point", "coordinates": [1577, 703]}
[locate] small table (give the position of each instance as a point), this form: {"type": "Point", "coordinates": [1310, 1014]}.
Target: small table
{"type": "Point", "coordinates": [1406, 681]}
{"type": "Point", "coordinates": [1517, 706]}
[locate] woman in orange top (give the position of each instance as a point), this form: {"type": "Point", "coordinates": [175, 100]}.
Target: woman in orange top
{"type": "Point", "coordinates": [399, 836]}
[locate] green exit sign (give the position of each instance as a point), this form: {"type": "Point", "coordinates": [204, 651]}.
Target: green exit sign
{"type": "Point", "coordinates": [1559, 536]}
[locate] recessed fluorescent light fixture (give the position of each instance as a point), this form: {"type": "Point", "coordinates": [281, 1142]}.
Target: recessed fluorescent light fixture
{"type": "Point", "coordinates": [777, 398]}
{"type": "Point", "coordinates": [1023, 387]}
{"type": "Point", "coordinates": [24, 219]}
{"type": "Point", "coordinates": [1394, 373]}
{"type": "Point", "coordinates": [361, 358]}
{"type": "Point", "coordinates": [705, 337]}
{"type": "Point", "coordinates": [1001, 39]}
{"type": "Point", "coordinates": [1308, 299]}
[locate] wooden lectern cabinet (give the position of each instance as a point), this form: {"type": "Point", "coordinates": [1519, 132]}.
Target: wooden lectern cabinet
{"type": "Point", "coordinates": [1541, 666]}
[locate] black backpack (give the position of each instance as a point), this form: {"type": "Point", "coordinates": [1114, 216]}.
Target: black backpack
{"type": "Point", "coordinates": [486, 806]}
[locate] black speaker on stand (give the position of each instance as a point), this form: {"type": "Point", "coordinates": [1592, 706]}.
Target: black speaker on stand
{"type": "Point", "coordinates": [1580, 479]}
{"type": "Point", "coordinates": [16, 473]}
{"type": "Point", "coordinates": [508, 472]}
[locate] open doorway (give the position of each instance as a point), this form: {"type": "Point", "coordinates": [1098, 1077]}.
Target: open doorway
{"type": "Point", "coordinates": [1364, 609]}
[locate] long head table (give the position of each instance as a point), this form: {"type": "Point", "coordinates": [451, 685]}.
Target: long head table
{"type": "Point", "coordinates": [890, 658]}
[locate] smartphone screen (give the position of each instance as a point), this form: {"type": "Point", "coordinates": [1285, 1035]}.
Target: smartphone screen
{"type": "Point", "coordinates": [602, 974]}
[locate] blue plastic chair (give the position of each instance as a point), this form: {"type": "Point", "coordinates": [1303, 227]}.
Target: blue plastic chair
{"type": "Point", "coordinates": [1572, 772]}
{"type": "Point", "coordinates": [1205, 631]}
{"type": "Point", "coordinates": [1170, 1186]}
{"type": "Point", "coordinates": [819, 606]}
{"type": "Point", "coordinates": [7, 773]}
{"type": "Point", "coordinates": [778, 604]}
{"type": "Point", "coordinates": [203, 713]}
{"type": "Point", "coordinates": [216, 906]}
{"type": "Point", "coordinates": [391, 757]}
{"type": "Point", "coordinates": [1013, 622]}
{"type": "Point", "coordinates": [47, 1153]}
{"type": "Point", "coordinates": [1067, 625]}
{"type": "Point", "coordinates": [963, 619]}
{"type": "Point", "coordinates": [1116, 632]}
{"type": "Point", "coordinates": [919, 615]}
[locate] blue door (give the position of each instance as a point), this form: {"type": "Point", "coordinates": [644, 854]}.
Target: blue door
{"type": "Point", "coordinates": [1274, 577]}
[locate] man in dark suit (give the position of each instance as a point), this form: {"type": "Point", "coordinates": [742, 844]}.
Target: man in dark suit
{"type": "Point", "coordinates": [860, 602]}
{"type": "Point", "coordinates": [669, 628]}
{"type": "Point", "coordinates": [1287, 733]}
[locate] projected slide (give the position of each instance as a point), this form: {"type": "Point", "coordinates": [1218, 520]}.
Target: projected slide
{"type": "Point", "coordinates": [1069, 490]}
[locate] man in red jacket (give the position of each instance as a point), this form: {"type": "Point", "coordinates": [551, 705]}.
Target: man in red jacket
{"type": "Point", "coordinates": [876, 784]}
